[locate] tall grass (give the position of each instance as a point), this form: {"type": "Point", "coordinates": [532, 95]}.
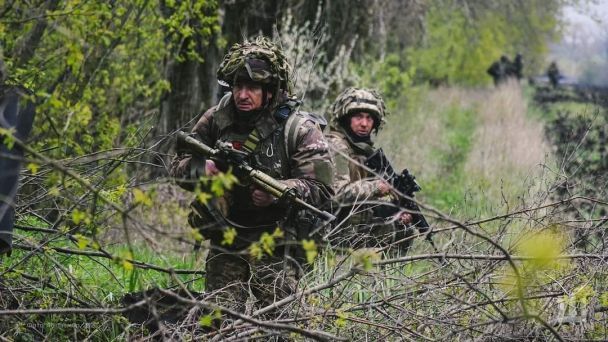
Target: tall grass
{"type": "Point", "coordinates": [474, 151]}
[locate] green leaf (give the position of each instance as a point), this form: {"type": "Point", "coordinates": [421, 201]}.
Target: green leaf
{"type": "Point", "coordinates": [140, 197]}
{"type": "Point", "coordinates": [203, 197]}
{"type": "Point", "coordinates": [54, 191]}
{"type": "Point", "coordinates": [340, 321]}
{"type": "Point", "coordinates": [583, 293]}
{"type": "Point", "coordinates": [81, 241]}
{"type": "Point", "coordinates": [255, 250]}
{"type": "Point", "coordinates": [127, 265]}
{"type": "Point", "coordinates": [310, 248]}
{"type": "Point", "coordinates": [196, 235]}
{"type": "Point", "coordinates": [80, 216]}
{"type": "Point", "coordinates": [206, 321]}
{"type": "Point", "coordinates": [9, 138]}
{"type": "Point", "coordinates": [229, 236]}
{"type": "Point", "coordinates": [604, 299]}
{"type": "Point", "coordinates": [33, 168]}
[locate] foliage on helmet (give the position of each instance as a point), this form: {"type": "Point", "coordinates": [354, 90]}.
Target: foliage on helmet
{"type": "Point", "coordinates": [353, 100]}
{"type": "Point", "coordinates": [263, 48]}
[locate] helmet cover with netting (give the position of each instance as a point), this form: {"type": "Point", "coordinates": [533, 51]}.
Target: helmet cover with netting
{"type": "Point", "coordinates": [354, 100]}
{"type": "Point", "coordinates": [259, 60]}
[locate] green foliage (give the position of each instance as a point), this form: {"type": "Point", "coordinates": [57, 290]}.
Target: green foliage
{"type": "Point", "coordinates": [207, 320]}
{"type": "Point", "coordinates": [140, 197]}
{"type": "Point", "coordinates": [99, 64]}
{"type": "Point", "coordinates": [184, 20]}
{"type": "Point", "coordinates": [266, 244]}
{"type": "Point", "coordinates": [455, 51]}
{"type": "Point", "coordinates": [448, 190]}
{"type": "Point", "coordinates": [543, 264]}
{"type": "Point", "coordinates": [458, 47]}
{"type": "Point", "coordinates": [8, 139]}
{"type": "Point", "coordinates": [229, 236]}
{"type": "Point", "coordinates": [391, 77]}
{"type": "Point", "coordinates": [310, 248]}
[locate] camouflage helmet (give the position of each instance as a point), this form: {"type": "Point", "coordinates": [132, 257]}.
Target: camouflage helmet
{"type": "Point", "coordinates": [353, 100]}
{"type": "Point", "coordinates": [261, 60]}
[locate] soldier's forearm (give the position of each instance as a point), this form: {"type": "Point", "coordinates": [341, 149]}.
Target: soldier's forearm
{"type": "Point", "coordinates": [361, 189]}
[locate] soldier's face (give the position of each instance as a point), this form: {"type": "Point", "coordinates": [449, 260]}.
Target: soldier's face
{"type": "Point", "coordinates": [248, 95]}
{"type": "Point", "coordinates": [362, 123]}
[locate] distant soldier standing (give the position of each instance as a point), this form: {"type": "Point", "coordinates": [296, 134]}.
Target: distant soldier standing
{"type": "Point", "coordinates": [499, 70]}
{"type": "Point", "coordinates": [518, 66]}
{"type": "Point", "coordinates": [553, 74]}
{"type": "Point", "coordinates": [355, 114]}
{"type": "Point", "coordinates": [260, 120]}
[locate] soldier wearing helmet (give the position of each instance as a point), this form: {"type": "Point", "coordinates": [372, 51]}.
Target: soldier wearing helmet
{"type": "Point", "coordinates": [355, 115]}
{"type": "Point", "coordinates": [259, 118]}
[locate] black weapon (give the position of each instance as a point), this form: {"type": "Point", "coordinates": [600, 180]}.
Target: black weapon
{"type": "Point", "coordinates": [224, 153]}
{"type": "Point", "coordinates": [405, 184]}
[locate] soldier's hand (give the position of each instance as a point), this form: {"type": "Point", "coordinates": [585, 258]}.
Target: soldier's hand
{"type": "Point", "coordinates": [405, 218]}
{"type": "Point", "coordinates": [261, 198]}
{"type": "Point", "coordinates": [384, 188]}
{"type": "Point", "coordinates": [210, 168]}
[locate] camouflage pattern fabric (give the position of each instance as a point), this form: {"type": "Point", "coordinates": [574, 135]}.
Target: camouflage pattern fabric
{"type": "Point", "coordinates": [356, 194]}
{"type": "Point", "coordinates": [242, 283]}
{"type": "Point", "coordinates": [262, 60]}
{"type": "Point", "coordinates": [353, 100]}
{"type": "Point", "coordinates": [308, 169]}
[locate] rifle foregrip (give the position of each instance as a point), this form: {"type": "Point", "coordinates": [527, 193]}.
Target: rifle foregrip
{"type": "Point", "coordinates": [195, 145]}
{"type": "Point", "coordinates": [266, 179]}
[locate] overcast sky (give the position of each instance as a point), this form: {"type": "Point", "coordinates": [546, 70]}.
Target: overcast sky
{"type": "Point", "coordinates": [590, 22]}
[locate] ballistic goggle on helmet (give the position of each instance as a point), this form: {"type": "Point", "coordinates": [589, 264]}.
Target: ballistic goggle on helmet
{"type": "Point", "coordinates": [260, 61]}
{"type": "Point", "coordinates": [354, 100]}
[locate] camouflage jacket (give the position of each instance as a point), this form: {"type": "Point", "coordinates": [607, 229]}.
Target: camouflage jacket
{"type": "Point", "coordinates": [355, 187]}
{"type": "Point", "coordinates": [306, 166]}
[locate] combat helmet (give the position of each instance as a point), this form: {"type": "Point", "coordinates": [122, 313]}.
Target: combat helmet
{"type": "Point", "coordinates": [354, 100]}
{"type": "Point", "coordinates": [261, 60]}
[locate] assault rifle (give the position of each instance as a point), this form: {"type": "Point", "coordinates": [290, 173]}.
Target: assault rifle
{"type": "Point", "coordinates": [224, 153]}
{"type": "Point", "coordinates": [405, 184]}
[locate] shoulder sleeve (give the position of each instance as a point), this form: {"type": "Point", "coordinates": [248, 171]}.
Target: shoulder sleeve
{"type": "Point", "coordinates": [311, 165]}
{"type": "Point", "coordinates": [348, 187]}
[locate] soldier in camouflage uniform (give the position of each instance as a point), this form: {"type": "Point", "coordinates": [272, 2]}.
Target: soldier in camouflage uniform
{"type": "Point", "coordinates": [259, 118]}
{"type": "Point", "coordinates": [355, 114]}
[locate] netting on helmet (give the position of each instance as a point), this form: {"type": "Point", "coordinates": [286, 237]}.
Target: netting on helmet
{"type": "Point", "coordinates": [353, 100]}
{"type": "Point", "coordinates": [255, 58]}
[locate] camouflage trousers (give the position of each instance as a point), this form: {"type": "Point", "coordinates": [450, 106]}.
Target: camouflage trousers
{"type": "Point", "coordinates": [245, 284]}
{"type": "Point", "coordinates": [236, 280]}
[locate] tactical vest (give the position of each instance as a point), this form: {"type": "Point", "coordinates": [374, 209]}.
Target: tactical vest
{"type": "Point", "coordinates": [269, 145]}
{"type": "Point", "coordinates": [270, 151]}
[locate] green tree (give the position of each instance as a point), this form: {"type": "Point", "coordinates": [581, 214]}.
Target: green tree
{"type": "Point", "coordinates": [461, 42]}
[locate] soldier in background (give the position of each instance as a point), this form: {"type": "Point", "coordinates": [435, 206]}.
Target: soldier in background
{"type": "Point", "coordinates": [518, 66]}
{"type": "Point", "coordinates": [499, 70]}
{"type": "Point", "coordinates": [355, 115]}
{"type": "Point", "coordinates": [553, 74]}
{"type": "Point", "coordinates": [260, 119]}
{"type": "Point", "coordinates": [517, 69]}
